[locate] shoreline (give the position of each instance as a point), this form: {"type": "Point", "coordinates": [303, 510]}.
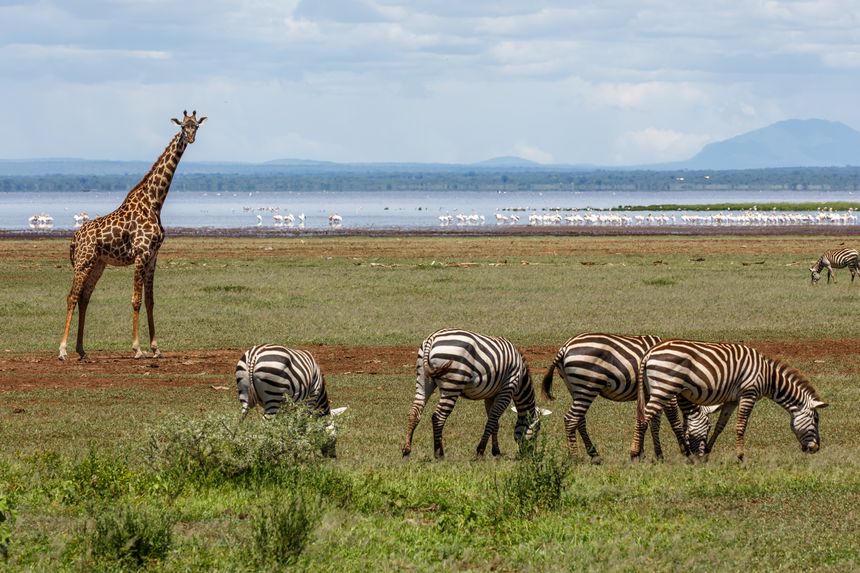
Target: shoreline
{"type": "Point", "coordinates": [487, 231]}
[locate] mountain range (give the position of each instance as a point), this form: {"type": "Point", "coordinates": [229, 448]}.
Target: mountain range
{"type": "Point", "coordinates": [789, 143]}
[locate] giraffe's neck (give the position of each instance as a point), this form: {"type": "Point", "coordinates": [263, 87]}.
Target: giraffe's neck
{"type": "Point", "coordinates": [152, 190]}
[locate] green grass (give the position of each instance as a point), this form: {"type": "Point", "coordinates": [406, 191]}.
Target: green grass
{"type": "Point", "coordinates": [537, 293]}
{"type": "Point", "coordinates": [75, 476]}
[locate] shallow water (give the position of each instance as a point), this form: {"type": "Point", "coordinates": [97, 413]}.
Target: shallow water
{"type": "Point", "coordinates": [376, 209]}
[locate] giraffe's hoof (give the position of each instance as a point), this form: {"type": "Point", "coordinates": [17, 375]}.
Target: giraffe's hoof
{"type": "Point", "coordinates": [62, 357]}
{"type": "Point", "coordinates": [138, 355]}
{"type": "Point", "coordinates": [156, 353]}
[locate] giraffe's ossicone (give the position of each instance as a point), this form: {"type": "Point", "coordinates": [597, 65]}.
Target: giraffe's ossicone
{"type": "Point", "coordinates": [130, 235]}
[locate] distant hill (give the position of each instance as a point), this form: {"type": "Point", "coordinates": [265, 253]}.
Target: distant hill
{"type": "Point", "coordinates": [789, 143]}
{"type": "Point", "coordinates": [507, 161]}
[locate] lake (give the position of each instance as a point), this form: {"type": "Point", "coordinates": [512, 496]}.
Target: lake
{"type": "Point", "coordinates": [398, 209]}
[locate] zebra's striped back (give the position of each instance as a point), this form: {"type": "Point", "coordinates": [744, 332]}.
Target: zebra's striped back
{"type": "Point", "coordinates": [709, 373]}
{"type": "Point", "coordinates": [477, 367]}
{"type": "Point", "coordinates": [267, 373]}
{"type": "Point", "coordinates": [604, 364]}
{"type": "Point", "coordinates": [836, 259]}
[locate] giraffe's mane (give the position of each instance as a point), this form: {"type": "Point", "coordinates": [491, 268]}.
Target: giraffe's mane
{"type": "Point", "coordinates": [796, 377]}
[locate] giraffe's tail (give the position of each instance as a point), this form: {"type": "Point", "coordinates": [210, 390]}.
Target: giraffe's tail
{"type": "Point", "coordinates": [72, 252]}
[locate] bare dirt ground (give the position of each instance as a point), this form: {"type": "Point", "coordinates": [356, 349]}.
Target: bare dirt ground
{"type": "Point", "coordinates": [215, 367]}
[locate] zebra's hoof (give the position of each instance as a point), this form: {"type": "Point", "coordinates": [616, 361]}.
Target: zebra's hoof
{"type": "Point", "coordinates": [596, 460]}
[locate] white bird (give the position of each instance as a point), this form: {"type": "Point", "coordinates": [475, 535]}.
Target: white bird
{"type": "Point", "coordinates": [259, 221]}
{"type": "Point", "coordinates": [335, 220]}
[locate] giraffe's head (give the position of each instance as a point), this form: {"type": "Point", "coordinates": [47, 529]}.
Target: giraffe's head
{"type": "Point", "coordinates": [189, 125]}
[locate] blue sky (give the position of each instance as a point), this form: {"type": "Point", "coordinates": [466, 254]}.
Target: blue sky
{"type": "Point", "coordinates": [614, 82]}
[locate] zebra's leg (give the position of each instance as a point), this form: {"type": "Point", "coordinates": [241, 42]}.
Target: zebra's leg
{"type": "Point", "coordinates": [494, 413]}
{"type": "Point", "coordinates": [725, 413]}
{"type": "Point", "coordinates": [488, 406]}
{"type": "Point", "coordinates": [745, 407]}
{"type": "Point", "coordinates": [655, 438]}
{"type": "Point", "coordinates": [830, 274]}
{"type": "Point", "coordinates": [678, 425]}
{"type": "Point", "coordinates": [574, 421]}
{"type": "Point", "coordinates": [447, 400]}
{"type": "Point", "coordinates": [424, 388]}
{"type": "Point", "coordinates": [652, 410]}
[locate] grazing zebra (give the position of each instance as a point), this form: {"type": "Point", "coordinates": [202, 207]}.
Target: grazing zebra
{"type": "Point", "coordinates": [477, 367]}
{"type": "Point", "coordinates": [594, 364]}
{"type": "Point", "coordinates": [265, 374]}
{"type": "Point", "coordinates": [709, 373]}
{"type": "Point", "coordinates": [835, 259]}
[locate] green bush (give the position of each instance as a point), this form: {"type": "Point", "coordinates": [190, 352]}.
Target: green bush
{"type": "Point", "coordinates": [536, 483]}
{"type": "Point", "coordinates": [96, 476]}
{"type": "Point", "coordinates": [282, 530]}
{"type": "Point", "coordinates": [7, 518]}
{"type": "Point", "coordinates": [129, 537]}
{"type": "Point", "coordinates": [218, 446]}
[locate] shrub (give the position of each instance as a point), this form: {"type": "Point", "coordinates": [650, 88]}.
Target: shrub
{"type": "Point", "coordinates": [95, 476]}
{"type": "Point", "coordinates": [536, 483]}
{"type": "Point", "coordinates": [7, 518]}
{"type": "Point", "coordinates": [282, 530]}
{"type": "Point", "coordinates": [219, 446]}
{"type": "Point", "coordinates": [130, 537]}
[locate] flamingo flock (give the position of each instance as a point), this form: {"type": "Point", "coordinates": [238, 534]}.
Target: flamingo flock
{"type": "Point", "coordinates": [747, 218]}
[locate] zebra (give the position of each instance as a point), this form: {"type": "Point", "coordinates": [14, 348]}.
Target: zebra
{"type": "Point", "coordinates": [835, 259]}
{"type": "Point", "coordinates": [267, 373]}
{"type": "Point", "coordinates": [735, 375]}
{"type": "Point", "coordinates": [477, 367]}
{"type": "Point", "coordinates": [595, 364]}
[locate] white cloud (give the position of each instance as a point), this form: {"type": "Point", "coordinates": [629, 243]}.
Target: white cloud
{"type": "Point", "coordinates": [654, 144]}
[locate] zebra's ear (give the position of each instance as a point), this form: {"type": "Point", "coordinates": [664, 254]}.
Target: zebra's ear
{"type": "Point", "coordinates": [816, 404]}
{"type": "Point", "coordinates": [338, 411]}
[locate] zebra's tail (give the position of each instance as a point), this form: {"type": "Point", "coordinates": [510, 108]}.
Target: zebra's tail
{"type": "Point", "coordinates": [641, 389]}
{"type": "Point", "coordinates": [546, 387]}
{"type": "Point", "coordinates": [253, 399]}
{"type": "Point", "coordinates": [439, 372]}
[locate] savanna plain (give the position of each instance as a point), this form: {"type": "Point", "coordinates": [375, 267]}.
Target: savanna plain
{"type": "Point", "coordinates": [120, 464]}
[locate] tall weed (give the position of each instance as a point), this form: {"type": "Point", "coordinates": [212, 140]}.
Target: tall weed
{"type": "Point", "coordinates": [129, 537]}
{"type": "Point", "coordinates": [219, 446]}
{"type": "Point", "coordinates": [283, 529]}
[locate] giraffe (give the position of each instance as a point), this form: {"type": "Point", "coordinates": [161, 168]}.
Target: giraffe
{"type": "Point", "coordinates": [132, 234]}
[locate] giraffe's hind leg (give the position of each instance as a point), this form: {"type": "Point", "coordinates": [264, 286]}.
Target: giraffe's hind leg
{"type": "Point", "coordinates": [84, 302]}
{"type": "Point", "coordinates": [82, 274]}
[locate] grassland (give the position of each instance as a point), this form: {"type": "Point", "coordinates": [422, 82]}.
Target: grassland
{"type": "Point", "coordinates": [69, 456]}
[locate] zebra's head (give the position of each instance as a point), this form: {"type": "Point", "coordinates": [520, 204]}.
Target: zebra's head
{"type": "Point", "coordinates": [698, 424]}
{"type": "Point", "coordinates": [804, 423]}
{"type": "Point", "coordinates": [816, 273]}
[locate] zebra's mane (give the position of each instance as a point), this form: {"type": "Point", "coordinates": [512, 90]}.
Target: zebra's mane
{"type": "Point", "coordinates": [794, 376]}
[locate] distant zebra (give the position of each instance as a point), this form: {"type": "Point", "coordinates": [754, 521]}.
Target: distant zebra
{"type": "Point", "coordinates": [595, 364]}
{"type": "Point", "coordinates": [734, 375]}
{"type": "Point", "coordinates": [266, 374]}
{"type": "Point", "coordinates": [477, 367]}
{"type": "Point", "coordinates": [835, 259]}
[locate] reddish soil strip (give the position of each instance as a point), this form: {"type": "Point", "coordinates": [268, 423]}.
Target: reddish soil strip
{"type": "Point", "coordinates": [215, 367]}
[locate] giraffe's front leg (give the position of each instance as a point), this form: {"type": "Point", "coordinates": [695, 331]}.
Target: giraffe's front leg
{"type": "Point", "coordinates": [136, 296]}
{"type": "Point", "coordinates": [149, 299]}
